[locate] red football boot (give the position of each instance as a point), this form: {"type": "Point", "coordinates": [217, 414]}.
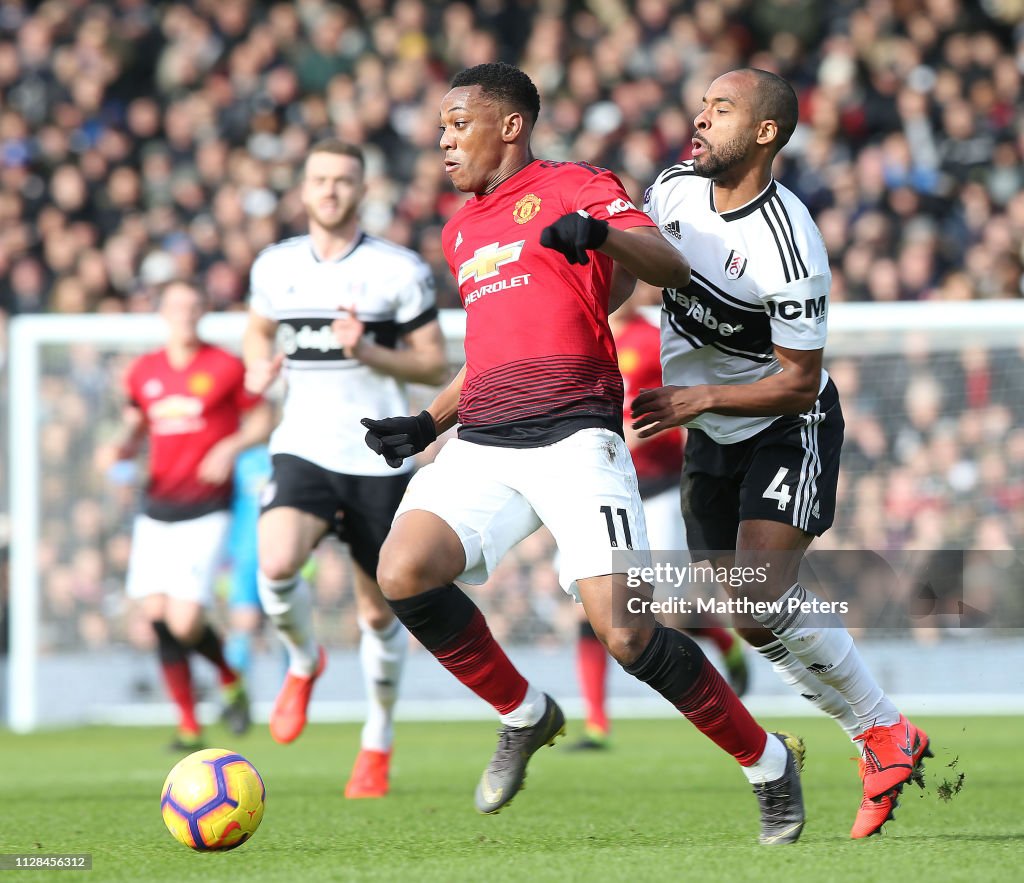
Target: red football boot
{"type": "Point", "coordinates": [288, 718]}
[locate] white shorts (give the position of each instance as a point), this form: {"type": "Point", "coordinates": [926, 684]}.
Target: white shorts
{"type": "Point", "coordinates": [582, 488]}
{"type": "Point", "coordinates": [665, 527]}
{"type": "Point", "coordinates": [179, 559]}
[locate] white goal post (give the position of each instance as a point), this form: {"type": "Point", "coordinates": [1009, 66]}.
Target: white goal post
{"type": "Point", "coordinates": [856, 331]}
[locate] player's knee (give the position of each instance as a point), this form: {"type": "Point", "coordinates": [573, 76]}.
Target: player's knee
{"type": "Point", "coordinates": [377, 620]}
{"type": "Point", "coordinates": [626, 645]}
{"type": "Point", "coordinates": [278, 567]}
{"type": "Point", "coordinates": [403, 575]}
{"type": "Point", "coordinates": [186, 630]}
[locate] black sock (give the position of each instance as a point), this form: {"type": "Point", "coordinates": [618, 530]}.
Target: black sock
{"type": "Point", "coordinates": [670, 664]}
{"type": "Point", "coordinates": [435, 617]}
{"type": "Point", "coordinates": [210, 647]}
{"type": "Point", "coordinates": [168, 647]}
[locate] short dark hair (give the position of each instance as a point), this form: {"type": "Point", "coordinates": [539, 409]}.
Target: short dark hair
{"type": "Point", "coordinates": [184, 282]}
{"type": "Point", "coordinates": [774, 99]}
{"type": "Point", "coordinates": [338, 148]}
{"type": "Point", "coordinates": [508, 85]}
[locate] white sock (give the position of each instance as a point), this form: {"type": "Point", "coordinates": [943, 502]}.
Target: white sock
{"type": "Point", "coordinates": [288, 604]}
{"type": "Point", "coordinates": [791, 670]}
{"type": "Point", "coordinates": [529, 711]}
{"type": "Point", "coordinates": [382, 654]}
{"type": "Point", "coordinates": [821, 642]}
{"type": "Point", "coordinates": [770, 765]}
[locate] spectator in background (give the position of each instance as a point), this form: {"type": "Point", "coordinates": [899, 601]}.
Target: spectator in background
{"type": "Point", "coordinates": [130, 126]}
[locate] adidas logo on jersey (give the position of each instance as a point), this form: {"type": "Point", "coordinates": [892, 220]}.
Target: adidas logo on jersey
{"type": "Point", "coordinates": [672, 228]}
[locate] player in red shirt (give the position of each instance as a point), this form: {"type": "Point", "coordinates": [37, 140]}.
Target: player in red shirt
{"type": "Point", "coordinates": [659, 463]}
{"type": "Point", "coordinates": [541, 252]}
{"type": "Point", "coordinates": [188, 400]}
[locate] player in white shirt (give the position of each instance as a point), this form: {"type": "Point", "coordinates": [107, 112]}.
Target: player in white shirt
{"type": "Point", "coordinates": [742, 350]}
{"type": "Point", "coordinates": [355, 319]}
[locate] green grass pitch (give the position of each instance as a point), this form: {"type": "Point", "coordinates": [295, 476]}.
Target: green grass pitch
{"type": "Point", "coordinates": [663, 804]}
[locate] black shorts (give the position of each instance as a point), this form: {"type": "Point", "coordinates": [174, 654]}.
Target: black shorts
{"type": "Point", "coordinates": [359, 508]}
{"type": "Point", "coordinates": [787, 472]}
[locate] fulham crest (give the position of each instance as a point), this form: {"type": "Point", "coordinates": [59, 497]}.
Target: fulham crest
{"type": "Point", "coordinates": [735, 264]}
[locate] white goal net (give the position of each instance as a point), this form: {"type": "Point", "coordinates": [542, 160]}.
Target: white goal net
{"type": "Point", "coordinates": [933, 395]}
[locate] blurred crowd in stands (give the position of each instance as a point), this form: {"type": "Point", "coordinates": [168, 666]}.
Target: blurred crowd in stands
{"type": "Point", "coordinates": [141, 141]}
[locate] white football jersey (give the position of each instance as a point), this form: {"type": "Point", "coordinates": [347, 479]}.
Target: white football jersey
{"type": "Point", "coordinates": [760, 278]}
{"type": "Point", "coordinates": [391, 290]}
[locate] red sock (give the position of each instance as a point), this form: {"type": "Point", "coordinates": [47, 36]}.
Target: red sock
{"type": "Point", "coordinates": [592, 666]}
{"type": "Point", "coordinates": [476, 659]}
{"type": "Point", "coordinates": [211, 647]}
{"type": "Point", "coordinates": [722, 637]}
{"type": "Point", "coordinates": [714, 709]}
{"type": "Point", "coordinates": [178, 678]}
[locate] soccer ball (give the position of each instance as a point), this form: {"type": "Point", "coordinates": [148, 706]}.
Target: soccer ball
{"type": "Point", "coordinates": [213, 799]}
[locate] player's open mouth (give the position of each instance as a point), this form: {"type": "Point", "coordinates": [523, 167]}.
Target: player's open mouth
{"type": "Point", "coordinates": [450, 165]}
{"type": "Point", "coordinates": [698, 147]}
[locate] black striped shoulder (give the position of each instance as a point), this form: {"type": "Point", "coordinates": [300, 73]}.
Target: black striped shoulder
{"type": "Point", "coordinates": [781, 226]}
{"type": "Point", "coordinates": [679, 170]}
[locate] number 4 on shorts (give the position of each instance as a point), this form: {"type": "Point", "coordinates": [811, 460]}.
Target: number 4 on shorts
{"type": "Point", "coordinates": [779, 491]}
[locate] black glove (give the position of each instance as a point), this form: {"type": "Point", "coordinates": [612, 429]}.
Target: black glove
{"type": "Point", "coordinates": [574, 235]}
{"type": "Point", "coordinates": [396, 438]}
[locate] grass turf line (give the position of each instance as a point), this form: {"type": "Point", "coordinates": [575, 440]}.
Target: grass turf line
{"type": "Point", "coordinates": [663, 804]}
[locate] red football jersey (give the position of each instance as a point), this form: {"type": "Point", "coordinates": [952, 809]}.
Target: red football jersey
{"type": "Point", "coordinates": [187, 412]}
{"type": "Point", "coordinates": [540, 359]}
{"type": "Point", "coordinates": [658, 460]}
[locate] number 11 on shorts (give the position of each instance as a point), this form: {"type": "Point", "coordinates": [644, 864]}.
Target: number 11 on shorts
{"type": "Point", "coordinates": [779, 491]}
{"type": "Point", "coordinates": [612, 534]}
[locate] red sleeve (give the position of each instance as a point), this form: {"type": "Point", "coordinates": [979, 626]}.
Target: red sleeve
{"type": "Point", "coordinates": [604, 197]}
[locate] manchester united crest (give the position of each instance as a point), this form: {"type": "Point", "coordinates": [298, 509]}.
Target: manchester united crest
{"type": "Point", "coordinates": [526, 209]}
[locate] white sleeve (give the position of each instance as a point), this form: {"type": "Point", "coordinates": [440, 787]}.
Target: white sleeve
{"type": "Point", "coordinates": [416, 301]}
{"type": "Point", "coordinates": [799, 313]}
{"type": "Point", "coordinates": [260, 299]}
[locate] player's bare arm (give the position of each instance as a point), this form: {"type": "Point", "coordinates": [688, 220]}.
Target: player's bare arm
{"type": "Point", "coordinates": [261, 364]}
{"type": "Point", "coordinates": [623, 284]}
{"type": "Point", "coordinates": [445, 408]}
{"type": "Point", "coordinates": [420, 359]}
{"type": "Point", "coordinates": [791, 391]}
{"type": "Point", "coordinates": [645, 253]}
{"type": "Point", "coordinates": [126, 443]}
{"type": "Point", "coordinates": [217, 465]}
